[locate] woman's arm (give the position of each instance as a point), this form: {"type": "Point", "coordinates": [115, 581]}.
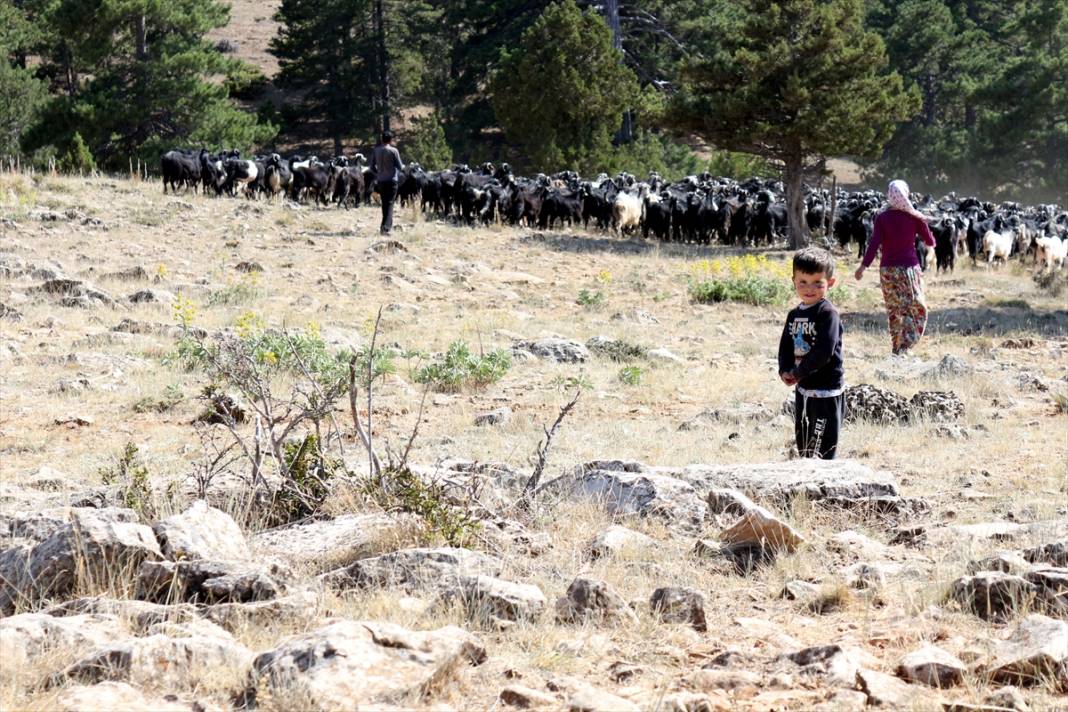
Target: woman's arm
{"type": "Point", "coordinates": [926, 234]}
{"type": "Point", "coordinates": [873, 244]}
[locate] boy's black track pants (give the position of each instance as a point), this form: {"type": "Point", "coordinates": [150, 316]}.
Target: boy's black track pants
{"type": "Point", "coordinates": [817, 422]}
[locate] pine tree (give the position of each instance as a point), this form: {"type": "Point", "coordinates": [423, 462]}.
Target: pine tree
{"type": "Point", "coordinates": [21, 94]}
{"type": "Point", "coordinates": [794, 81]}
{"type": "Point", "coordinates": [561, 92]}
{"type": "Point", "coordinates": [357, 62]}
{"type": "Point", "coordinates": [136, 77]}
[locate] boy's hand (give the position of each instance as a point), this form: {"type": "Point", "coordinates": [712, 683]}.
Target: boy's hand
{"type": "Point", "coordinates": [788, 378]}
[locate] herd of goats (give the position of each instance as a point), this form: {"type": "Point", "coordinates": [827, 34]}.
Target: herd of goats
{"type": "Point", "coordinates": [697, 209]}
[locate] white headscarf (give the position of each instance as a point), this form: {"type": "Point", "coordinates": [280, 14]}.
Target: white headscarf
{"type": "Point", "coordinates": [898, 195]}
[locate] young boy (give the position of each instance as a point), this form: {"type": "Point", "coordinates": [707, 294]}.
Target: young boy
{"type": "Point", "coordinates": [810, 356]}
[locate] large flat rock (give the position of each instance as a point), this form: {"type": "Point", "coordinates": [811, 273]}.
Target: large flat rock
{"type": "Point", "coordinates": [332, 543]}
{"type": "Point", "coordinates": [782, 481]}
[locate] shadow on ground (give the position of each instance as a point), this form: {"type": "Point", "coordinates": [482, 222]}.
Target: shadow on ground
{"type": "Point", "coordinates": [580, 243]}
{"type": "Point", "coordinates": [973, 321]}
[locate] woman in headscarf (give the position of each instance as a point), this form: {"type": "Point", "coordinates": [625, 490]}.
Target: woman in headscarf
{"type": "Point", "coordinates": [894, 237]}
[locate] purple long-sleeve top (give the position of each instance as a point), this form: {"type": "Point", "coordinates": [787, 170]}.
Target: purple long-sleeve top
{"type": "Point", "coordinates": [895, 234]}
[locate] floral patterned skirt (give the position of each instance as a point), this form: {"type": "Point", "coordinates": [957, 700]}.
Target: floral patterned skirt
{"type": "Point", "coordinates": [906, 306]}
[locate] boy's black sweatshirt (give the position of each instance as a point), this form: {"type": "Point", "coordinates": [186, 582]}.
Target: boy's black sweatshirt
{"type": "Point", "coordinates": [811, 347]}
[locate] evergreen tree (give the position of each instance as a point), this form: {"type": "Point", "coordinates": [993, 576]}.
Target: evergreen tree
{"type": "Point", "coordinates": [425, 144]}
{"type": "Point", "coordinates": [357, 62]}
{"type": "Point", "coordinates": [561, 92]}
{"type": "Point", "coordinates": [794, 81]}
{"type": "Point", "coordinates": [137, 78]}
{"type": "Point", "coordinates": [21, 94]}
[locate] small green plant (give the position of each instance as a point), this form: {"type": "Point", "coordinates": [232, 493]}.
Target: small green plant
{"type": "Point", "coordinates": [630, 375]}
{"type": "Point", "coordinates": [618, 350]}
{"type": "Point", "coordinates": [459, 368]}
{"type": "Point", "coordinates": [242, 291]}
{"type": "Point", "coordinates": [172, 395]}
{"type": "Point", "coordinates": [189, 352]}
{"type": "Point", "coordinates": [130, 474]}
{"type": "Point", "coordinates": [590, 300]}
{"type": "Point", "coordinates": [402, 490]}
{"type": "Point", "coordinates": [580, 382]}
{"type": "Point", "coordinates": [308, 482]}
{"type": "Point", "coordinates": [750, 289]}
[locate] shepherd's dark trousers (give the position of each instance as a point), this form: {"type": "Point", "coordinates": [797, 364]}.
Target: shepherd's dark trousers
{"type": "Point", "coordinates": [387, 191]}
{"type": "Point", "coordinates": [817, 422]}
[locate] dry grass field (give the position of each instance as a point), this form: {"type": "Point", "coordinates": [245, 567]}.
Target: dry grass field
{"type": "Point", "coordinates": [73, 392]}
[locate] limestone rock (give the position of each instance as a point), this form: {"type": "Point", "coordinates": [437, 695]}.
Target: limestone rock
{"type": "Point", "coordinates": [738, 414]}
{"type": "Point", "coordinates": [28, 635]}
{"type": "Point", "coordinates": [722, 500]}
{"type": "Point", "coordinates": [526, 698]}
{"type": "Point", "coordinates": [931, 666]}
{"type": "Point", "coordinates": [1037, 649]}
{"type": "Point", "coordinates": [497, 601]}
{"type": "Point", "coordinates": [87, 549]}
{"type": "Point", "coordinates": [887, 691]}
{"type": "Point", "coordinates": [865, 576]}
{"type": "Point", "coordinates": [1009, 698]}
{"type": "Point", "coordinates": [1008, 562]}
{"type": "Point", "coordinates": [415, 569]}
{"type": "Point", "coordinates": [297, 606]}
{"type": "Point", "coordinates": [1054, 553]}
{"type": "Point", "coordinates": [499, 416]}
{"type": "Point", "coordinates": [760, 527]}
{"type": "Point", "coordinates": [211, 582]}
{"type": "Point", "coordinates": [993, 595]}
{"type": "Point", "coordinates": [201, 532]}
{"type": "Point", "coordinates": [555, 349]}
{"type": "Point", "coordinates": [112, 696]}
{"type": "Point", "coordinates": [162, 660]}
{"type": "Point", "coordinates": [324, 545]}
{"type": "Point", "coordinates": [591, 599]}
{"type": "Point", "coordinates": [616, 540]}
{"type": "Point", "coordinates": [939, 406]}
{"type": "Point", "coordinates": [152, 296]}
{"type": "Point", "coordinates": [866, 402]}
{"type": "Point", "coordinates": [679, 605]}
{"type": "Point", "coordinates": [666, 498]}
{"type": "Point", "coordinates": [858, 545]}
{"type": "Point", "coordinates": [363, 664]}
{"type": "Point", "coordinates": [837, 664]}
{"type": "Point", "coordinates": [37, 526]}
{"type": "Point", "coordinates": [1052, 585]}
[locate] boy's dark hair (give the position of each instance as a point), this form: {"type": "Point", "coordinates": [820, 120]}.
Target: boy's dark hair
{"type": "Point", "coordinates": [813, 260]}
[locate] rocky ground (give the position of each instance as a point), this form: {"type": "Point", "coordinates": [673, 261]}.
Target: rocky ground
{"type": "Point", "coordinates": [677, 560]}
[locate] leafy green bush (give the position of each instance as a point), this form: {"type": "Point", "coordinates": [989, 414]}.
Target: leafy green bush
{"type": "Point", "coordinates": [758, 290]}
{"type": "Point", "coordinates": [240, 292]}
{"type": "Point", "coordinates": [172, 396]}
{"type": "Point", "coordinates": [572, 383]}
{"type": "Point", "coordinates": [618, 350]}
{"type": "Point", "coordinates": [459, 368]}
{"type": "Point", "coordinates": [425, 144]}
{"type": "Point", "coordinates": [310, 476]}
{"type": "Point", "coordinates": [130, 474]}
{"type": "Point", "coordinates": [78, 158]}
{"type": "Point", "coordinates": [401, 489]}
{"type": "Point", "coordinates": [590, 299]}
{"type": "Point", "coordinates": [630, 375]}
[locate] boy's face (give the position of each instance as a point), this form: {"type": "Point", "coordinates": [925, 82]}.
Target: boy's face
{"type": "Point", "coordinates": [812, 287]}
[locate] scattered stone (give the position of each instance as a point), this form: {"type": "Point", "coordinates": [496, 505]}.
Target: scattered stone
{"type": "Point", "coordinates": [25, 637]}
{"type": "Point", "coordinates": [664, 355]}
{"type": "Point", "coordinates": [110, 696]}
{"type": "Point", "coordinates": [728, 501]}
{"type": "Point", "coordinates": [525, 697]}
{"type": "Point", "coordinates": [843, 701]}
{"type": "Point", "coordinates": [1008, 562]}
{"type": "Point", "coordinates": [694, 702]}
{"type": "Point", "coordinates": [865, 402]}
{"type": "Point", "coordinates": [1008, 698]}
{"type": "Point", "coordinates": [591, 599]}
{"type": "Point", "coordinates": [211, 581]}
{"type": "Point", "coordinates": [798, 590]}
{"type": "Point", "coordinates": [1052, 583]}
{"type": "Point", "coordinates": [248, 267]}
{"type": "Point", "coordinates": [9, 313]}
{"type": "Point", "coordinates": [362, 664]}
{"type": "Point", "coordinates": [415, 569]}
{"type": "Point", "coordinates": [223, 408]}
{"type": "Point", "coordinates": [865, 576]}
{"type": "Point", "coordinates": [1036, 650]}
{"type": "Point", "coordinates": [130, 274]}
{"type": "Point", "coordinates": [746, 557]}
{"type": "Point", "coordinates": [616, 350]}
{"type": "Point", "coordinates": [931, 666]}
{"type": "Point", "coordinates": [859, 545]}
{"type": "Point", "coordinates": [650, 495]}
{"type": "Point", "coordinates": [1055, 553]}
{"type": "Point", "coordinates": [295, 607]}
{"type": "Point", "coordinates": [708, 679]}
{"type": "Point", "coordinates": [162, 660]}
{"type": "Point", "coordinates": [616, 540]}
{"type": "Point", "coordinates": [738, 414]}
{"type": "Point", "coordinates": [332, 543]}
{"type": "Point", "coordinates": [673, 604]}
{"type": "Point", "coordinates": [587, 698]}
{"type": "Point", "coordinates": [500, 416]}
{"type": "Point", "coordinates": [387, 247]}
{"type": "Point", "coordinates": [87, 549]}
{"type": "Point", "coordinates": [993, 595]}
{"type": "Point", "coordinates": [152, 296]}
{"type": "Point", "coordinates": [938, 406]}
{"type": "Point", "coordinates": [201, 532]}
{"type": "Point", "coordinates": [836, 664]}
{"type": "Point", "coordinates": [637, 316]}
{"type": "Point", "coordinates": [760, 527]}
{"type": "Point", "coordinates": [555, 349]}
{"type": "Point", "coordinates": [620, 671]}
{"type": "Point", "coordinates": [887, 691]}
{"type": "Point", "coordinates": [497, 601]}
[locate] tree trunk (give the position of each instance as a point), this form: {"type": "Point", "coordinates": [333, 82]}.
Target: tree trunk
{"type": "Point", "coordinates": [140, 34]}
{"type": "Point", "coordinates": [795, 201]}
{"type": "Point", "coordinates": [383, 63]}
{"type": "Point", "coordinates": [611, 16]}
